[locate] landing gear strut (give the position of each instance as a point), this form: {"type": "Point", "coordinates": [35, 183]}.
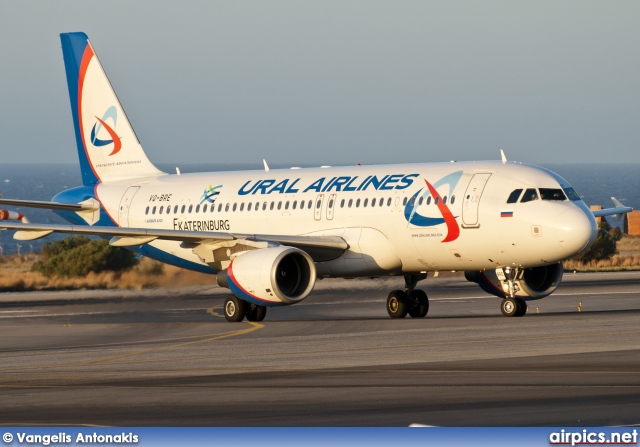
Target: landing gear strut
{"type": "Point", "coordinates": [511, 305]}
{"type": "Point", "coordinates": [411, 301]}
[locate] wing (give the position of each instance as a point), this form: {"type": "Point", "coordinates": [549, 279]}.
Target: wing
{"type": "Point", "coordinates": [320, 248]}
{"type": "Point", "coordinates": [84, 206]}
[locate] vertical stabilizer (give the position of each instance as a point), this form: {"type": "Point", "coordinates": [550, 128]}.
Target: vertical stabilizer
{"type": "Point", "coordinates": [107, 145]}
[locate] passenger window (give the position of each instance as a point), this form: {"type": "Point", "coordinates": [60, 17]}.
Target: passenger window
{"type": "Point", "coordinates": [257, 206]}
{"type": "Point", "coordinates": [358, 203]}
{"type": "Point", "coordinates": [160, 210]}
{"type": "Point", "coordinates": [342, 203]}
{"type": "Point", "coordinates": [404, 201]}
{"type": "Point", "coordinates": [204, 208]}
{"type": "Point", "coordinates": [242, 206]}
{"type": "Point", "coordinates": [286, 205]}
{"type": "Point", "coordinates": [272, 205]}
{"type": "Point", "coordinates": [264, 206]}
{"type": "Point", "coordinates": [366, 201]}
{"type": "Point", "coordinates": [331, 203]}
{"type": "Point", "coordinates": [389, 202]}
{"type": "Point", "coordinates": [197, 208]}
{"type": "Point", "coordinates": [552, 194]}
{"type": "Point", "coordinates": [529, 195]}
{"type": "Point", "coordinates": [154, 210]}
{"type": "Point", "coordinates": [453, 200]}
{"type": "Point", "coordinates": [437, 200]}
{"type": "Point", "coordinates": [444, 200]}
{"type": "Point", "coordinates": [318, 203]}
{"type": "Point", "coordinates": [309, 204]}
{"type": "Point", "coordinates": [350, 202]}
{"type": "Point", "coordinates": [146, 211]}
{"type": "Point", "coordinates": [190, 208]}
{"type": "Point", "coordinates": [429, 200]}
{"type": "Point", "coordinates": [249, 206]}
{"type": "Point", "coordinates": [182, 210]}
{"type": "Point", "coordinates": [302, 204]}
{"type": "Point", "coordinates": [226, 207]}
{"type": "Point", "coordinates": [420, 200]}
{"type": "Point", "coordinates": [412, 201]}
{"type": "Point", "coordinates": [514, 196]}
{"type": "Point", "coordinates": [175, 209]}
{"type": "Point", "coordinates": [295, 204]}
{"type": "Point", "coordinates": [219, 207]}
{"type": "Point", "coordinates": [382, 201]}
{"type": "Point", "coordinates": [235, 206]}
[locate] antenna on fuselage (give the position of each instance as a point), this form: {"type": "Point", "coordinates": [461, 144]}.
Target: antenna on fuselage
{"type": "Point", "coordinates": [266, 166]}
{"type": "Point", "coordinates": [504, 157]}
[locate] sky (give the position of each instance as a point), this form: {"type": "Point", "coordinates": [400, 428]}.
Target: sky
{"type": "Point", "coordinates": [329, 82]}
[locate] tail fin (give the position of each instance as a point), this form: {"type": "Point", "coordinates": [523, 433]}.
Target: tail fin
{"type": "Point", "coordinates": [107, 145]}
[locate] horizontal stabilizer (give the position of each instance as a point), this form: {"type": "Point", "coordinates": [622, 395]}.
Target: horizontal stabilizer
{"type": "Point", "coordinates": [617, 212]}
{"type": "Point", "coordinates": [51, 205]}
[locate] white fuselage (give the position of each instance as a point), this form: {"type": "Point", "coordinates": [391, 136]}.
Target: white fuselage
{"type": "Point", "coordinates": [387, 214]}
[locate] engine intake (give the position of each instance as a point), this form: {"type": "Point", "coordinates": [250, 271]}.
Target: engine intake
{"type": "Point", "coordinates": [534, 283]}
{"type": "Point", "coordinates": [270, 276]}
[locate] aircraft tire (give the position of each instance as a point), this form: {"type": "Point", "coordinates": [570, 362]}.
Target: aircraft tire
{"type": "Point", "coordinates": [509, 307]}
{"type": "Point", "coordinates": [398, 304]}
{"type": "Point", "coordinates": [256, 312]}
{"type": "Point", "coordinates": [420, 306]}
{"type": "Point", "coordinates": [234, 309]}
{"type": "Point", "coordinates": [522, 307]}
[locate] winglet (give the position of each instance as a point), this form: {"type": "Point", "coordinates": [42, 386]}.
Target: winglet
{"type": "Point", "coordinates": [616, 212]}
{"type": "Point", "coordinates": [266, 166]}
{"type": "Point", "coordinates": [504, 157]}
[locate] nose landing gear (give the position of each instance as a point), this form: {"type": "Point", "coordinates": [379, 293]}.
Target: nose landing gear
{"type": "Point", "coordinates": [511, 306]}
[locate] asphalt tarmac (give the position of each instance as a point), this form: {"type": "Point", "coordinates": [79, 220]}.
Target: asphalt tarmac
{"type": "Point", "coordinates": [168, 357]}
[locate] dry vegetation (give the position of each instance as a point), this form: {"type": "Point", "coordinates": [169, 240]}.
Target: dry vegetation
{"type": "Point", "coordinates": [16, 275]}
{"type": "Point", "coordinates": [628, 258]}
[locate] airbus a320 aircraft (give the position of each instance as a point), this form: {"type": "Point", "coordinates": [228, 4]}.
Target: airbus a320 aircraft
{"type": "Point", "coordinates": [269, 235]}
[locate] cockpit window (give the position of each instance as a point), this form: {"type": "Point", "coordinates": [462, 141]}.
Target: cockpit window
{"type": "Point", "coordinates": [573, 196]}
{"type": "Point", "coordinates": [529, 195]}
{"type": "Point", "coordinates": [552, 194]}
{"type": "Point", "coordinates": [514, 196]}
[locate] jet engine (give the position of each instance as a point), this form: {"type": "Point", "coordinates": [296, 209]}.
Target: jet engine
{"type": "Point", "coordinates": [533, 283]}
{"type": "Point", "coordinates": [270, 276]}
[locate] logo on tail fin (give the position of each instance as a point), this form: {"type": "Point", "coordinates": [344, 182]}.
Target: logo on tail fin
{"type": "Point", "coordinates": [101, 123]}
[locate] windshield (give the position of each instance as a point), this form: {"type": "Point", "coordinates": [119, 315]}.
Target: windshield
{"type": "Point", "coordinates": [573, 196]}
{"type": "Point", "coordinates": [552, 194]}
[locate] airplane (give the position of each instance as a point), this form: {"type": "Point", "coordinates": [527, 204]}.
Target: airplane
{"type": "Point", "coordinates": [269, 235]}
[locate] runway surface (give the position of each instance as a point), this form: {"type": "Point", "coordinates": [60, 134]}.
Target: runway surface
{"type": "Point", "coordinates": [168, 357]}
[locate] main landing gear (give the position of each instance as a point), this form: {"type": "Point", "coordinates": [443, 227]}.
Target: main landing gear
{"type": "Point", "coordinates": [236, 310]}
{"type": "Point", "coordinates": [411, 301]}
{"type": "Point", "coordinates": [511, 306]}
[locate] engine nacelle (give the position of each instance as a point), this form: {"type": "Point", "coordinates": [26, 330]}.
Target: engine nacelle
{"type": "Point", "coordinates": [270, 276]}
{"type": "Point", "coordinates": [534, 283]}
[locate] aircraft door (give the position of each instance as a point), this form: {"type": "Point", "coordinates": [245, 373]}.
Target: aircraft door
{"type": "Point", "coordinates": [125, 204]}
{"type": "Point", "coordinates": [471, 200]}
{"type": "Point", "coordinates": [330, 205]}
{"type": "Point", "coordinates": [317, 207]}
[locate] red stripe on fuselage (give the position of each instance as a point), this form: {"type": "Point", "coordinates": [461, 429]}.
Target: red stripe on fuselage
{"type": "Point", "coordinates": [453, 231]}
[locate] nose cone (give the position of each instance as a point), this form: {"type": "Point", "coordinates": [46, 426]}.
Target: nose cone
{"type": "Point", "coordinates": [576, 230]}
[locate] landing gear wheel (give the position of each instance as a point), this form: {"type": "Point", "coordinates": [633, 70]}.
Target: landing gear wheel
{"type": "Point", "coordinates": [509, 307]}
{"type": "Point", "coordinates": [256, 312]}
{"type": "Point", "coordinates": [398, 304]}
{"type": "Point", "coordinates": [420, 303]}
{"type": "Point", "coordinates": [522, 307]}
{"type": "Point", "coordinates": [234, 309]}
